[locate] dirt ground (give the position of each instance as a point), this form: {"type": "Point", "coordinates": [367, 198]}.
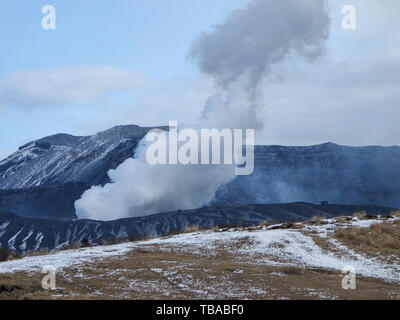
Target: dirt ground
{"type": "Point", "coordinates": [153, 273]}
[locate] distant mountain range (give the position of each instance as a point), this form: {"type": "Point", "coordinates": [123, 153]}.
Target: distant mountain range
{"type": "Point", "coordinates": [44, 178]}
{"type": "Point", "coordinates": [21, 234]}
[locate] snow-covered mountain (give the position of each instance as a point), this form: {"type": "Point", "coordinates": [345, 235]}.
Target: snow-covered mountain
{"type": "Point", "coordinates": [44, 178]}
{"type": "Point", "coordinates": [63, 158]}
{"type": "Point", "coordinates": [21, 234]}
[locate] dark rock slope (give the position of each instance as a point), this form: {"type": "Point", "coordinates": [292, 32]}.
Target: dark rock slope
{"type": "Point", "coordinates": [45, 202]}
{"type": "Point", "coordinates": [63, 158]}
{"type": "Point", "coordinates": [21, 234]}
{"type": "Point", "coordinates": [338, 174]}
{"type": "Point", "coordinates": [44, 178]}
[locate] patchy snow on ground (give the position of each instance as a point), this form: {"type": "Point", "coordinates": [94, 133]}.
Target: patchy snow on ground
{"type": "Point", "coordinates": [287, 247]}
{"type": "Point", "coordinates": [63, 259]}
{"type": "Point", "coordinates": [283, 247]}
{"type": "Point", "coordinates": [278, 247]}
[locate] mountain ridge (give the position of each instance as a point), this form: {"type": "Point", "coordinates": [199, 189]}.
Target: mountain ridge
{"type": "Point", "coordinates": [338, 174]}
{"type": "Point", "coordinates": [21, 234]}
{"type": "Point", "coordinates": [62, 158]}
{"type": "Point", "coordinates": [60, 167]}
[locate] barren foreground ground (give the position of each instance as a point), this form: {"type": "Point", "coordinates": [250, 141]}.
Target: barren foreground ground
{"type": "Point", "coordinates": [286, 261]}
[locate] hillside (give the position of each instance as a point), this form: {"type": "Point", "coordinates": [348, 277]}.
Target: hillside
{"type": "Point", "coordinates": [338, 174]}
{"type": "Point", "coordinates": [271, 261]}
{"type": "Point", "coordinates": [44, 178]}
{"type": "Point", "coordinates": [63, 158]}
{"type": "Point", "coordinates": [21, 234]}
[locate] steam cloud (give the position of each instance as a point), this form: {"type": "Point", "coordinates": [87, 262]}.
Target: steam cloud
{"type": "Point", "coordinates": [238, 54]}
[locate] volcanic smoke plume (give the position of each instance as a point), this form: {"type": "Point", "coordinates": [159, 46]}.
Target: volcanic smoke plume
{"type": "Point", "coordinates": [238, 54]}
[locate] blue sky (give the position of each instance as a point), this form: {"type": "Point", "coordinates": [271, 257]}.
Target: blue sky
{"type": "Point", "coordinates": [126, 62]}
{"type": "Point", "coordinates": [150, 37]}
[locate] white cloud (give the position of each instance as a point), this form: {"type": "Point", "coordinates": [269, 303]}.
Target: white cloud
{"type": "Point", "coordinates": [68, 84]}
{"type": "Point", "coordinates": [350, 96]}
{"type": "Point", "coordinates": [354, 102]}
{"type": "Point", "coordinates": [176, 99]}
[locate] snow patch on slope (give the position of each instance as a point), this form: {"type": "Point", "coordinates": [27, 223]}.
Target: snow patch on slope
{"type": "Point", "coordinates": [64, 259]}
{"type": "Point", "coordinates": [281, 247]}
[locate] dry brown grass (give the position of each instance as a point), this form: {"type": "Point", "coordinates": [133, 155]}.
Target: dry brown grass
{"type": "Point", "coordinates": [44, 251]}
{"type": "Point", "coordinates": [192, 228]}
{"type": "Point", "coordinates": [4, 254]}
{"type": "Point", "coordinates": [342, 219]}
{"type": "Point", "coordinates": [150, 272]}
{"type": "Point", "coordinates": [318, 219]}
{"type": "Point", "coordinates": [359, 215]}
{"type": "Point", "coordinates": [7, 254]}
{"type": "Point", "coordinates": [380, 238]}
{"type": "Point", "coordinates": [74, 245]}
{"type": "Point", "coordinates": [395, 213]}
{"type": "Point", "coordinates": [267, 223]}
{"type": "Point", "coordinates": [18, 286]}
